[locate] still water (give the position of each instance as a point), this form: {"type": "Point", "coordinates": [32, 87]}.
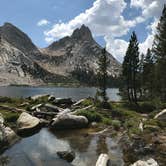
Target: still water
{"type": "Point", "coordinates": [40, 149]}
{"type": "Point", "coordinates": [74, 93]}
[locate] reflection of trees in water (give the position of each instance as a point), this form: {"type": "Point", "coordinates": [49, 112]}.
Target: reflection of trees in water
{"type": "Point", "coordinates": [4, 160]}
{"type": "Point", "coordinates": [101, 145]}
{"type": "Point", "coordinates": [81, 143]}
{"type": "Point", "coordinates": [77, 141]}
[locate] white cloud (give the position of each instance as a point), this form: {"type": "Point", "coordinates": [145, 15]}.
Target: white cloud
{"type": "Point", "coordinates": [43, 22]}
{"type": "Point", "coordinates": [105, 18]}
{"type": "Point", "coordinates": [117, 47]}
{"type": "Point", "coordinates": [149, 40]}
{"type": "Point", "coordinates": [49, 40]}
{"type": "Point", "coordinates": [150, 8]}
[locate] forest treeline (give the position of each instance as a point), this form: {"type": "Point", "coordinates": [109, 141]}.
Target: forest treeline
{"type": "Point", "coordinates": [144, 76]}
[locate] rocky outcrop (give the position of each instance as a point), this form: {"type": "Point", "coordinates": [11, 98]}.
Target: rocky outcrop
{"type": "Point", "coordinates": [150, 162]}
{"type": "Point", "coordinates": [68, 121]}
{"type": "Point", "coordinates": [7, 135]}
{"type": "Point", "coordinates": [78, 52]}
{"type": "Point", "coordinates": [27, 122]}
{"type": "Point", "coordinates": [23, 63]}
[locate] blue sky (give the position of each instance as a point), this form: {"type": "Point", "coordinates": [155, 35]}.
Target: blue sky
{"type": "Point", "coordinates": [111, 21]}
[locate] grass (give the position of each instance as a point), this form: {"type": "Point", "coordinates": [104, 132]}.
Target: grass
{"type": "Point", "coordinates": [91, 115]}
{"type": "Point", "coordinates": [9, 117]}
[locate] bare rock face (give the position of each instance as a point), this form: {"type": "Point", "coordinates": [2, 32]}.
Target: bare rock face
{"type": "Point", "coordinates": [21, 62]}
{"type": "Point", "coordinates": [79, 51]}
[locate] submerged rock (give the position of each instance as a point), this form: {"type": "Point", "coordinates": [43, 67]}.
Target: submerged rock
{"type": "Point", "coordinates": [68, 121]}
{"type": "Point", "coordinates": [27, 122]}
{"type": "Point", "coordinates": [66, 155]}
{"type": "Point", "coordinates": [150, 162]}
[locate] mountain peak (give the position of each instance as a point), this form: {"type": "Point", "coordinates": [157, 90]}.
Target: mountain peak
{"type": "Point", "coordinates": [82, 33]}
{"type": "Point", "coordinates": [16, 37]}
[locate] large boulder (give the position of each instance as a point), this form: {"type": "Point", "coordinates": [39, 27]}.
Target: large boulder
{"type": "Point", "coordinates": [27, 122]}
{"type": "Point", "coordinates": [10, 135]}
{"type": "Point", "coordinates": [7, 135]}
{"type": "Point", "coordinates": [68, 121]}
{"type": "Point", "coordinates": [150, 162]}
{"type": "Point", "coordinates": [161, 115]}
{"type": "Point", "coordinates": [1, 119]}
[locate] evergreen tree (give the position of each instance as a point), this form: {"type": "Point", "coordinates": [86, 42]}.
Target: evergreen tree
{"type": "Point", "coordinates": [148, 74]}
{"type": "Point", "coordinates": [130, 68]}
{"type": "Point", "coordinates": [159, 49]}
{"type": "Point", "coordinates": [102, 75]}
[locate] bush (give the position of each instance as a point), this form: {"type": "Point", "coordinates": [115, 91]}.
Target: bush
{"type": "Point", "coordinates": [91, 115]}
{"type": "Point", "coordinates": [107, 121]}
{"type": "Point", "coordinates": [9, 116]}
{"type": "Point", "coordinates": [87, 102]}
{"type": "Point", "coordinates": [147, 107]}
{"type": "Point", "coordinates": [116, 124]}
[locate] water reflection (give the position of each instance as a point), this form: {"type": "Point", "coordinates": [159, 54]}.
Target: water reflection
{"type": "Point", "coordinates": [40, 149]}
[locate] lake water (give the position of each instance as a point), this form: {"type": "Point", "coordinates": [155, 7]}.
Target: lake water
{"type": "Point", "coordinates": [40, 149]}
{"type": "Point", "coordinates": [74, 93]}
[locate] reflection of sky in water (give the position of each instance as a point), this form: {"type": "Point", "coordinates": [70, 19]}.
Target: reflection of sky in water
{"type": "Point", "coordinates": [75, 93]}
{"type": "Point", "coordinates": [40, 149]}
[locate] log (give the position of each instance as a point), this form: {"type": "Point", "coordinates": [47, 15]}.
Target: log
{"type": "Point", "coordinates": [103, 160]}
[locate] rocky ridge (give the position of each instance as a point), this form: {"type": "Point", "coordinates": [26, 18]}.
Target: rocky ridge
{"type": "Point", "coordinates": [21, 62]}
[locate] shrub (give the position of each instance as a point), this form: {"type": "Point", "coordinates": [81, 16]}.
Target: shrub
{"type": "Point", "coordinates": [87, 102]}
{"type": "Point", "coordinates": [91, 115]}
{"type": "Point", "coordinates": [147, 107]}
{"type": "Point", "coordinates": [116, 124]}
{"type": "Point", "coordinates": [107, 121]}
{"type": "Point", "coordinates": [9, 116]}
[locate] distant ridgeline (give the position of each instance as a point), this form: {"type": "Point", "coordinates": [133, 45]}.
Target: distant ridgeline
{"type": "Point", "coordinates": [72, 59]}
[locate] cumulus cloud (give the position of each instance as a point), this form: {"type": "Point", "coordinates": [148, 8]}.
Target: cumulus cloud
{"type": "Point", "coordinates": [150, 8]}
{"type": "Point", "coordinates": [149, 40]}
{"type": "Point", "coordinates": [105, 18]}
{"type": "Point", "coordinates": [117, 47]}
{"type": "Point", "coordinates": [43, 22]}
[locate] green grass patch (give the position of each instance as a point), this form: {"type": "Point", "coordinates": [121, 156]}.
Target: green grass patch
{"type": "Point", "coordinates": [87, 102]}
{"type": "Point", "coordinates": [9, 116]}
{"type": "Point", "coordinates": [91, 115]}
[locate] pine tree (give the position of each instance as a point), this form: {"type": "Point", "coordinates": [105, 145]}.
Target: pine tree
{"type": "Point", "coordinates": [159, 49]}
{"type": "Point", "coordinates": [148, 74]}
{"type": "Point", "coordinates": [130, 68]}
{"type": "Point", "coordinates": [102, 75]}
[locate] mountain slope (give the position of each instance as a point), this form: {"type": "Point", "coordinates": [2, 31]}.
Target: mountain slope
{"type": "Point", "coordinates": [79, 51]}
{"type": "Point", "coordinates": [21, 62]}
